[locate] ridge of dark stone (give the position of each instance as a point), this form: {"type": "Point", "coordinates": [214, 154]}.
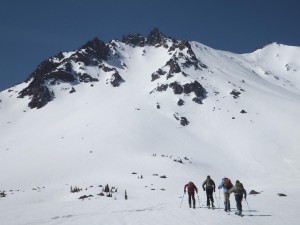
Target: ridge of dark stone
{"type": "Point", "coordinates": [155, 37]}
{"type": "Point", "coordinates": [134, 39]}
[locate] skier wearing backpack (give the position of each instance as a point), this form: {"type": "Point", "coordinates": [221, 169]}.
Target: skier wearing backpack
{"type": "Point", "coordinates": [239, 191]}
{"type": "Point", "coordinates": [191, 188]}
{"type": "Point", "coordinates": [226, 185]}
{"type": "Point", "coordinates": [209, 186]}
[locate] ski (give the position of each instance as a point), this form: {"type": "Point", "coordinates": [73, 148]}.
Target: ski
{"type": "Point", "coordinates": [241, 215]}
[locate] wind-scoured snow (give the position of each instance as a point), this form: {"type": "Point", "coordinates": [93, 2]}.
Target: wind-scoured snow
{"type": "Point", "coordinates": [129, 137]}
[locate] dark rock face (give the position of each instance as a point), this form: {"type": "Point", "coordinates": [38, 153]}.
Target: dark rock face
{"type": "Point", "coordinates": [180, 102]}
{"type": "Point", "coordinates": [162, 87]}
{"type": "Point", "coordinates": [44, 68]}
{"type": "Point", "coordinates": [116, 79]}
{"type": "Point", "coordinates": [177, 88]}
{"type": "Point", "coordinates": [183, 120]}
{"type": "Point", "coordinates": [134, 39]}
{"type": "Point", "coordinates": [86, 78]}
{"type": "Point", "coordinates": [92, 52]}
{"type": "Point", "coordinates": [188, 88]}
{"type": "Point", "coordinates": [107, 69]}
{"type": "Point", "coordinates": [57, 69]}
{"type": "Point", "coordinates": [156, 75]}
{"type": "Point", "coordinates": [235, 94]}
{"type": "Point", "coordinates": [190, 59]}
{"type": "Point", "coordinates": [198, 100]}
{"type": "Point", "coordinates": [155, 37]}
{"type": "Point", "coordinates": [38, 90]}
{"type": "Point", "coordinates": [197, 88]}
{"type": "Point", "coordinates": [174, 67]}
{"type": "Point", "coordinates": [60, 75]}
{"type": "Point", "coordinates": [40, 94]}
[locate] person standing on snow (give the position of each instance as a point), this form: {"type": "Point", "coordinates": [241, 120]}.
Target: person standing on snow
{"type": "Point", "coordinates": [239, 191]}
{"type": "Point", "coordinates": [191, 188]}
{"type": "Point", "coordinates": [226, 185]}
{"type": "Point", "coordinates": [209, 186]}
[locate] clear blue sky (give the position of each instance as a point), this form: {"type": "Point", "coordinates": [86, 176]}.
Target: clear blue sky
{"type": "Point", "coordinates": [34, 30]}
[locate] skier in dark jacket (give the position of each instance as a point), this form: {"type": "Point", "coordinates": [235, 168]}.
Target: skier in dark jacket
{"type": "Point", "coordinates": [191, 188]}
{"type": "Point", "coordinates": [239, 191]}
{"type": "Point", "coordinates": [210, 187]}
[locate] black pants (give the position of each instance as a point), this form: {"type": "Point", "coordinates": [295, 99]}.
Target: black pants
{"type": "Point", "coordinates": [209, 195]}
{"type": "Point", "coordinates": [192, 197]}
{"type": "Point", "coordinates": [238, 199]}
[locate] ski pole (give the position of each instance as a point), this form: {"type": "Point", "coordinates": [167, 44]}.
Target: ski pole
{"type": "Point", "coordinates": [248, 207]}
{"type": "Point", "coordinates": [217, 200]}
{"type": "Point", "coordinates": [182, 200]}
{"type": "Point", "coordinates": [198, 200]}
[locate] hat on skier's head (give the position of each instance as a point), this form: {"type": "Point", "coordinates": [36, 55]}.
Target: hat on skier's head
{"type": "Point", "coordinates": [237, 181]}
{"type": "Point", "coordinates": [224, 178]}
{"type": "Point", "coordinates": [208, 176]}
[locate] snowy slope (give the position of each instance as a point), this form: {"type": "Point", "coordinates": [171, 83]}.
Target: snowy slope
{"type": "Point", "coordinates": [102, 113]}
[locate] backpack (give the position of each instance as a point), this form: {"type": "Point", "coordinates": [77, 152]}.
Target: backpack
{"type": "Point", "coordinates": [191, 187]}
{"type": "Point", "coordinates": [239, 188]}
{"type": "Point", "coordinates": [209, 184]}
{"type": "Point", "coordinates": [227, 183]}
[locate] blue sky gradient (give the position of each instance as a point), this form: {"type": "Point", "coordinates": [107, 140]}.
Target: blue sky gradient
{"type": "Point", "coordinates": [34, 30]}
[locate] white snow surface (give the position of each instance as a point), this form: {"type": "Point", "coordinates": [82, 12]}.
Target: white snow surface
{"type": "Point", "coordinates": [102, 135]}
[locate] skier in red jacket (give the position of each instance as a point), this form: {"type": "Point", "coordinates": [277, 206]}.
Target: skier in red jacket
{"type": "Point", "coordinates": [191, 188]}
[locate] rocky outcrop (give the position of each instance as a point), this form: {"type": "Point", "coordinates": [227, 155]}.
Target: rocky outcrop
{"type": "Point", "coordinates": [156, 38]}
{"type": "Point", "coordinates": [116, 79]}
{"type": "Point", "coordinates": [174, 67]}
{"type": "Point", "coordinates": [92, 53]}
{"type": "Point", "coordinates": [235, 94]}
{"type": "Point", "coordinates": [39, 93]}
{"type": "Point", "coordinates": [177, 88]}
{"type": "Point", "coordinates": [84, 77]}
{"type": "Point", "coordinates": [182, 120]}
{"type": "Point", "coordinates": [57, 69]}
{"type": "Point", "coordinates": [180, 102]}
{"type": "Point", "coordinates": [156, 75]}
{"type": "Point", "coordinates": [190, 57]}
{"type": "Point", "coordinates": [134, 39]}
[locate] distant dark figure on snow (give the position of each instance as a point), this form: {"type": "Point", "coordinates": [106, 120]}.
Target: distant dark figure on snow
{"type": "Point", "coordinates": [191, 188]}
{"type": "Point", "coordinates": [226, 185]}
{"type": "Point", "coordinates": [239, 192]}
{"type": "Point", "coordinates": [210, 187]}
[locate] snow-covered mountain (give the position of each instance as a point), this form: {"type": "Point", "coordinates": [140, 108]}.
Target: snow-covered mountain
{"type": "Point", "coordinates": [146, 115]}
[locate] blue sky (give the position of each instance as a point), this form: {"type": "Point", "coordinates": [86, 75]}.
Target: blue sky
{"type": "Point", "coordinates": [34, 30]}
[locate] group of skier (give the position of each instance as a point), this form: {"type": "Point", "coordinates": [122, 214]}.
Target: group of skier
{"type": "Point", "coordinates": [209, 186]}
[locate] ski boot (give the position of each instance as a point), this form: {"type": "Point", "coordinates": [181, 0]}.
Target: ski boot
{"type": "Point", "coordinates": [239, 212]}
